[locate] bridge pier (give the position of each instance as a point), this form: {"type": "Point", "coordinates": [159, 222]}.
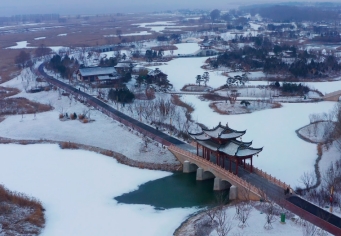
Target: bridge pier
{"type": "Point", "coordinates": [233, 195]}
{"type": "Point", "coordinates": [188, 167]}
{"type": "Point", "coordinates": [202, 175]}
{"type": "Point", "coordinates": [219, 184]}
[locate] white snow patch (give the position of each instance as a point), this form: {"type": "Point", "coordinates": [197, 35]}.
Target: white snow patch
{"type": "Point", "coordinates": [39, 38]}
{"type": "Point", "coordinates": [20, 45]}
{"type": "Point", "coordinates": [77, 190]}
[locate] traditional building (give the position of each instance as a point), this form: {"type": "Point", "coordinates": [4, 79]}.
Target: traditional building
{"type": "Point", "coordinates": [158, 77]}
{"type": "Point", "coordinates": [92, 74]}
{"type": "Point", "coordinates": [221, 144]}
{"type": "Point", "coordinates": [124, 67]}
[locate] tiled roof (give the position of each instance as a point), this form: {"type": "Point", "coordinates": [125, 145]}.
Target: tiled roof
{"type": "Point", "coordinates": [91, 71]}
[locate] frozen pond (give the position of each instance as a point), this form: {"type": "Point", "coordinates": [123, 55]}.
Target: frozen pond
{"type": "Point", "coordinates": [183, 71]}
{"type": "Point", "coordinates": [186, 48]}
{"type": "Point", "coordinates": [77, 190]}
{"type": "Point", "coordinates": [20, 45]}
{"type": "Point", "coordinates": [285, 155]}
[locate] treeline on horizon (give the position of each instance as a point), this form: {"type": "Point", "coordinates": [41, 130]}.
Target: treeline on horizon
{"type": "Point", "coordinates": [286, 13]}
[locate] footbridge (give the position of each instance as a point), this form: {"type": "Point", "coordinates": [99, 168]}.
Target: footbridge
{"type": "Point", "coordinates": [240, 186]}
{"type": "Point", "coordinates": [333, 97]}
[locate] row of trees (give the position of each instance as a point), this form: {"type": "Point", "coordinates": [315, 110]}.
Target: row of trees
{"type": "Point", "coordinates": [305, 65]}
{"type": "Point", "coordinates": [205, 77]}
{"type": "Point", "coordinates": [65, 66]}
{"type": "Point", "coordinates": [150, 55]}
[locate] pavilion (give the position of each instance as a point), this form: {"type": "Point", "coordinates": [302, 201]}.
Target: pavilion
{"type": "Point", "coordinates": [222, 143]}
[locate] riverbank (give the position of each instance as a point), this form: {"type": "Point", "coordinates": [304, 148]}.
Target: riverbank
{"type": "Point", "coordinates": [256, 222]}
{"type": "Point", "coordinates": [119, 157]}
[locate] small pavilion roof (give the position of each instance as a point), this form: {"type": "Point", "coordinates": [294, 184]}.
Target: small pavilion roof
{"type": "Point", "coordinates": [223, 132]}
{"type": "Point", "coordinates": [209, 144]}
{"type": "Point", "coordinates": [248, 151]}
{"type": "Point", "coordinates": [199, 136]}
{"type": "Point", "coordinates": [233, 147]}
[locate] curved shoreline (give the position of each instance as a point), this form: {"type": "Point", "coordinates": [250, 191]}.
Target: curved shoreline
{"type": "Point", "coordinates": [118, 156]}
{"type": "Point", "coordinates": [317, 160]}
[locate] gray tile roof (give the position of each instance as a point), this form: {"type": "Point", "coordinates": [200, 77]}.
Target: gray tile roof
{"type": "Point", "coordinates": [91, 71]}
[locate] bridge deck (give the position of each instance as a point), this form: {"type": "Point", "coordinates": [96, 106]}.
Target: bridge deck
{"type": "Point", "coordinates": [299, 206]}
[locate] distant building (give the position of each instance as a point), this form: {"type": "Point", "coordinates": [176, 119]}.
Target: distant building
{"type": "Point", "coordinates": [92, 74]}
{"type": "Point", "coordinates": [124, 67]}
{"type": "Point", "coordinates": [158, 77]}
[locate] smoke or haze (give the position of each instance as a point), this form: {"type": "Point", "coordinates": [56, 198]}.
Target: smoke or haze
{"type": "Point", "coordinates": [72, 7]}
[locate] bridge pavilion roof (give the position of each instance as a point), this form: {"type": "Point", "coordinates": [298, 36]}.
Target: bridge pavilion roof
{"type": "Point", "coordinates": [223, 132]}
{"type": "Point", "coordinates": [231, 146]}
{"type": "Point", "coordinates": [199, 136]}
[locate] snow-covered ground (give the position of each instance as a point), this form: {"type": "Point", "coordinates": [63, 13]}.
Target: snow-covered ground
{"type": "Point", "coordinates": [39, 38]}
{"type": "Point", "coordinates": [23, 44]}
{"type": "Point", "coordinates": [255, 224]}
{"type": "Point", "coordinates": [186, 48]}
{"type": "Point", "coordinates": [20, 45]}
{"type": "Point", "coordinates": [99, 133]}
{"type": "Point", "coordinates": [183, 71]}
{"type": "Point", "coordinates": [156, 26]}
{"type": "Point", "coordinates": [77, 189]}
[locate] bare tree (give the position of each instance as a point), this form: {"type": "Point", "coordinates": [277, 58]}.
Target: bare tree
{"type": "Point", "coordinates": [309, 229]}
{"type": "Point", "coordinates": [244, 213]}
{"type": "Point", "coordinates": [269, 215]}
{"type": "Point", "coordinates": [224, 223]}
{"type": "Point", "coordinates": [308, 179]}
{"type": "Point", "coordinates": [211, 213]}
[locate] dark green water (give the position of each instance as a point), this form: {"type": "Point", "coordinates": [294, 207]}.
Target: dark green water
{"type": "Point", "coordinates": [177, 190]}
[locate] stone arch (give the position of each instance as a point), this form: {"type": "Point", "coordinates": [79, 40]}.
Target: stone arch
{"type": "Point", "coordinates": [203, 175]}
{"type": "Point", "coordinates": [189, 167]}
{"type": "Point", "coordinates": [226, 182]}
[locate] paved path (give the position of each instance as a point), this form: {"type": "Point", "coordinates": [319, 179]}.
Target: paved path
{"type": "Point", "coordinates": [295, 204]}
{"type": "Point", "coordinates": [166, 139]}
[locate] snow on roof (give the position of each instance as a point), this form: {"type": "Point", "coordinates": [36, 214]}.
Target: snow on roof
{"type": "Point", "coordinates": [123, 64]}
{"type": "Point", "coordinates": [248, 151]}
{"type": "Point", "coordinates": [200, 136]}
{"type": "Point", "coordinates": [223, 132]}
{"type": "Point", "coordinates": [230, 149]}
{"type": "Point", "coordinates": [155, 72]}
{"type": "Point", "coordinates": [209, 144]}
{"type": "Point", "coordinates": [89, 71]}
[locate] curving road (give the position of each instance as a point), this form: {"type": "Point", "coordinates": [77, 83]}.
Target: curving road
{"type": "Point", "coordinates": [165, 139]}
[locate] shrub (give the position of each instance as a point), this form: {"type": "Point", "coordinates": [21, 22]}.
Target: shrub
{"type": "Point", "coordinates": [36, 217]}
{"type": "Point", "coordinates": [81, 116]}
{"type": "Point", "coordinates": [85, 121]}
{"type": "Point", "coordinates": [68, 145]}
{"type": "Point", "coordinates": [61, 116]}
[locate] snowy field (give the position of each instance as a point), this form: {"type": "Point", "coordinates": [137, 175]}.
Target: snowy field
{"type": "Point", "coordinates": [255, 225]}
{"type": "Point", "coordinates": [100, 133]}
{"type": "Point", "coordinates": [20, 45]}
{"type": "Point", "coordinates": [285, 155]}
{"type": "Point", "coordinates": [156, 26]}
{"type": "Point", "coordinates": [77, 189]}
{"type": "Point", "coordinates": [23, 44]}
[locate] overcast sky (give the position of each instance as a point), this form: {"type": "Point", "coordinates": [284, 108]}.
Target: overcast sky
{"type": "Point", "coordinates": [66, 7]}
